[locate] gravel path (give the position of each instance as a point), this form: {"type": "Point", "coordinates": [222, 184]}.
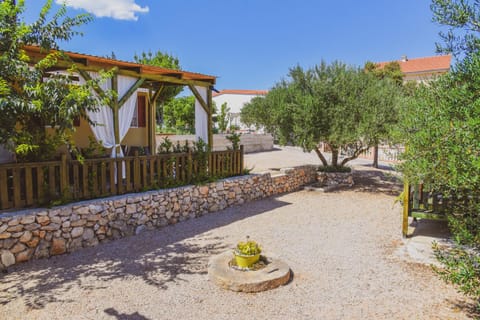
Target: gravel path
{"type": "Point", "coordinates": [339, 245]}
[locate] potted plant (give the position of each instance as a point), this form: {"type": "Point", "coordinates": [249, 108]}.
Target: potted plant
{"type": "Point", "coordinates": [247, 253]}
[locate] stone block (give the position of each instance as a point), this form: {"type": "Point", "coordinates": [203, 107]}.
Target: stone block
{"type": "Point", "coordinates": [43, 220]}
{"type": "Point", "coordinates": [24, 256]}
{"type": "Point", "coordinates": [28, 219]}
{"type": "Point", "coordinates": [77, 232]}
{"type": "Point", "coordinates": [27, 236]}
{"type": "Point", "coordinates": [19, 247]}
{"type": "Point", "coordinates": [58, 246]}
{"type": "Point", "coordinates": [33, 242]}
{"type": "Point", "coordinates": [7, 258]}
{"type": "Point", "coordinates": [17, 228]}
{"type": "Point", "coordinates": [5, 235]}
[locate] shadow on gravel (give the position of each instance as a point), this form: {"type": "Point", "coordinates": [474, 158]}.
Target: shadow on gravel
{"type": "Point", "coordinates": [159, 258]}
{"type": "Point", "coordinates": [429, 228]}
{"type": "Point", "coordinates": [377, 181]}
{"type": "Point", "coordinates": [469, 308]}
{"type": "Point", "coordinates": [123, 316]}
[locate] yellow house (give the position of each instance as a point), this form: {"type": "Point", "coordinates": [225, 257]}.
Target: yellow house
{"type": "Point", "coordinates": [131, 120]}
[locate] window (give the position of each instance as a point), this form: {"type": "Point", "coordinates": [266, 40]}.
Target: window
{"type": "Point", "coordinates": [139, 119]}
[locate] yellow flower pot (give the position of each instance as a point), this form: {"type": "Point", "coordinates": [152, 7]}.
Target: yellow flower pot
{"type": "Point", "coordinates": [244, 261]}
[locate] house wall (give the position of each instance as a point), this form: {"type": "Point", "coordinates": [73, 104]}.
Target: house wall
{"type": "Point", "coordinates": [134, 136]}
{"type": "Point", "coordinates": [423, 77]}
{"type": "Point", "coordinates": [82, 134]}
{"type": "Point", "coordinates": [41, 233]}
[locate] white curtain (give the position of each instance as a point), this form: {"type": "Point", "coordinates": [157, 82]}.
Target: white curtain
{"type": "Point", "coordinates": [125, 114]}
{"type": "Point", "coordinates": [103, 118]}
{"type": "Point", "coordinates": [201, 117]}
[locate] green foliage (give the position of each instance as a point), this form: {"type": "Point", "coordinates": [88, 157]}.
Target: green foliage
{"type": "Point", "coordinates": [462, 19]}
{"type": "Point", "coordinates": [342, 106]}
{"type": "Point", "coordinates": [223, 118]}
{"type": "Point", "coordinates": [334, 169]}
{"type": "Point", "coordinates": [234, 139]}
{"type": "Point", "coordinates": [94, 149]}
{"type": "Point", "coordinates": [166, 146]}
{"type": "Point", "coordinates": [31, 97]}
{"type": "Point", "coordinates": [179, 115]}
{"type": "Point", "coordinates": [460, 267]}
{"type": "Point", "coordinates": [391, 71]}
{"type": "Point", "coordinates": [440, 125]}
{"type": "Point", "coordinates": [168, 91]}
{"type": "Point", "coordinates": [248, 248]}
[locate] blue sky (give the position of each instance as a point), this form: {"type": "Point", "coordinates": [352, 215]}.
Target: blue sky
{"type": "Point", "coordinates": [251, 44]}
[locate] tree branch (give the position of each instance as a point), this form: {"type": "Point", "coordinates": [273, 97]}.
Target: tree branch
{"type": "Point", "coordinates": [321, 156]}
{"type": "Point", "coordinates": [355, 155]}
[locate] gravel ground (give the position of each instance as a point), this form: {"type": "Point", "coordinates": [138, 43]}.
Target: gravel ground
{"type": "Point", "coordinates": [340, 247]}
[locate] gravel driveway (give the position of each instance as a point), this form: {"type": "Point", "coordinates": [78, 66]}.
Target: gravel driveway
{"type": "Point", "coordinates": [339, 246]}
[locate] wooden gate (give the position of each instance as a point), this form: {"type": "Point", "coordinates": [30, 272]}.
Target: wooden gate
{"type": "Point", "coordinates": [419, 201]}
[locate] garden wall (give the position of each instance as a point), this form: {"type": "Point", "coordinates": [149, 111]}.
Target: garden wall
{"type": "Point", "coordinates": [41, 233]}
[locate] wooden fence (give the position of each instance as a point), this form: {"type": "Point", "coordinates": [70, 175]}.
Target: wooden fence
{"type": "Point", "coordinates": [44, 183]}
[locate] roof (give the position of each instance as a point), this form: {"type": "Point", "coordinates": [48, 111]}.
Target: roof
{"type": "Point", "coordinates": [245, 92]}
{"type": "Point", "coordinates": [95, 62]}
{"type": "Point", "coordinates": [422, 65]}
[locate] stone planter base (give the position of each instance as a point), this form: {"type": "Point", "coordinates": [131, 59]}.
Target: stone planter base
{"type": "Point", "coordinates": [275, 274]}
{"type": "Point", "coordinates": [327, 179]}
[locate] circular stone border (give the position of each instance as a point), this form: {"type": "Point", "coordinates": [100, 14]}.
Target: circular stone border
{"type": "Point", "coordinates": [275, 274]}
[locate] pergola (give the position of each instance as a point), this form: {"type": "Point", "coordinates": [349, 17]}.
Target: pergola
{"type": "Point", "coordinates": [154, 79]}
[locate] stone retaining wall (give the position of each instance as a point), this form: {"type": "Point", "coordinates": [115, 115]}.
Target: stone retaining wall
{"type": "Point", "coordinates": [41, 233]}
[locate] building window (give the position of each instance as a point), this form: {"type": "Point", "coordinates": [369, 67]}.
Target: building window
{"type": "Point", "coordinates": [139, 119]}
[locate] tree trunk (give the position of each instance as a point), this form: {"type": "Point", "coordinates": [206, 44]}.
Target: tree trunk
{"type": "Point", "coordinates": [334, 156]}
{"type": "Point", "coordinates": [375, 156]}
{"type": "Point", "coordinates": [321, 156]}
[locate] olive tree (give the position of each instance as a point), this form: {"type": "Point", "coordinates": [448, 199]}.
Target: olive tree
{"type": "Point", "coordinates": [340, 106]}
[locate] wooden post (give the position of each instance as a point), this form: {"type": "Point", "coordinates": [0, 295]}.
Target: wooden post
{"type": "Point", "coordinates": [406, 204]}
{"type": "Point", "coordinates": [115, 107]}
{"type": "Point", "coordinates": [189, 166]}
{"type": "Point", "coordinates": [153, 126]}
{"type": "Point", "coordinates": [64, 188]}
{"type": "Point", "coordinates": [209, 121]}
{"type": "Point", "coordinates": [136, 172]}
{"type": "Point", "coordinates": [3, 190]}
{"type": "Point", "coordinates": [241, 159]}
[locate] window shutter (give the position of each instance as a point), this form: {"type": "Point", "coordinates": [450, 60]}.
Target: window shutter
{"type": "Point", "coordinates": [142, 112]}
{"type": "Point", "coordinates": [76, 121]}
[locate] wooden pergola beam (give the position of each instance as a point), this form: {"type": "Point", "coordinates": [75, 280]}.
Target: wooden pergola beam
{"type": "Point", "coordinates": [115, 107]}
{"type": "Point", "coordinates": [199, 97]}
{"type": "Point", "coordinates": [97, 89]}
{"type": "Point", "coordinates": [127, 71]}
{"type": "Point", "coordinates": [130, 91]}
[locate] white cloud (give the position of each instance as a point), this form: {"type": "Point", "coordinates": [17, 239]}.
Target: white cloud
{"type": "Point", "coordinates": [116, 9]}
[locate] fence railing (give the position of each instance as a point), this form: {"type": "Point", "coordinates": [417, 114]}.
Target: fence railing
{"type": "Point", "coordinates": [385, 153]}
{"type": "Point", "coordinates": [419, 201]}
{"type": "Point", "coordinates": [45, 183]}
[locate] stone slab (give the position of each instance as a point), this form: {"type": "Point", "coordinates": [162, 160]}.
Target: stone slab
{"type": "Point", "coordinates": [275, 274]}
